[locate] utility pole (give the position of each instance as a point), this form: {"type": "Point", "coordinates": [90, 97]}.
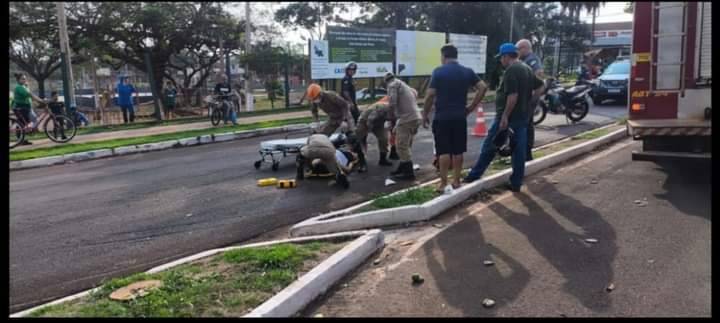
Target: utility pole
{"type": "Point", "coordinates": [287, 80]}
{"type": "Point", "coordinates": [512, 17]}
{"type": "Point", "coordinates": [248, 95]}
{"type": "Point", "coordinates": [96, 86]}
{"type": "Point", "coordinates": [68, 85]}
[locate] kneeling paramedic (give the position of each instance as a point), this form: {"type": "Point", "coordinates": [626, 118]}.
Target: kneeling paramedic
{"type": "Point", "coordinates": [373, 120]}
{"type": "Point", "coordinates": [336, 108]}
{"type": "Point", "coordinates": [321, 156]}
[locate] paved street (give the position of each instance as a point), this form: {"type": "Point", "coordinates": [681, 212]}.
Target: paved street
{"type": "Point", "coordinates": [74, 225]}
{"type": "Point", "coordinates": [657, 256]}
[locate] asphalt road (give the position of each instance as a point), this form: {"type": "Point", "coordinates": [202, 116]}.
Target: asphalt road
{"type": "Point", "coordinates": [73, 226]}
{"type": "Point", "coordinates": [656, 256]}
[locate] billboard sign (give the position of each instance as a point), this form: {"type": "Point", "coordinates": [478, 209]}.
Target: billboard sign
{"type": "Point", "coordinates": [472, 51]}
{"type": "Point", "coordinates": [371, 49]}
{"type": "Point", "coordinates": [418, 52]}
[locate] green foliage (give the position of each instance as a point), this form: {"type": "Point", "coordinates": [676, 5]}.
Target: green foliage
{"type": "Point", "coordinates": [194, 290]}
{"type": "Point", "coordinates": [413, 196]}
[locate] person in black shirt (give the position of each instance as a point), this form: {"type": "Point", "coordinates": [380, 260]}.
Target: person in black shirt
{"type": "Point", "coordinates": [348, 89]}
{"type": "Point", "coordinates": [57, 108]}
{"type": "Point", "coordinates": [223, 90]}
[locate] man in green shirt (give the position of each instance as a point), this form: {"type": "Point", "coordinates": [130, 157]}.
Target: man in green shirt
{"type": "Point", "coordinates": [517, 88]}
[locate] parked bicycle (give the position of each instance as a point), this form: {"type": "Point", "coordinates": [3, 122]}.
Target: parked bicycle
{"type": "Point", "coordinates": [58, 128]}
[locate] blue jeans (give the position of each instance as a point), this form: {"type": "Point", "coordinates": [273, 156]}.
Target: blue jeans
{"type": "Point", "coordinates": [487, 153]}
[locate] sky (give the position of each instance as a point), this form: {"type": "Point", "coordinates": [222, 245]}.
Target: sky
{"type": "Point", "coordinates": [610, 12]}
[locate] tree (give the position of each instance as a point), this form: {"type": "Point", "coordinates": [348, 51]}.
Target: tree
{"type": "Point", "coordinates": [127, 31]}
{"type": "Point", "coordinates": [34, 44]}
{"type": "Point", "coordinates": [311, 16]}
{"type": "Point", "coordinates": [628, 7]}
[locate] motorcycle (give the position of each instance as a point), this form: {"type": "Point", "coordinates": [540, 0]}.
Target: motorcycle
{"type": "Point", "coordinates": [570, 101]}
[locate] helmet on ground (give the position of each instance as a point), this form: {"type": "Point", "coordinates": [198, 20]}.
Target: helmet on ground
{"type": "Point", "coordinates": [351, 66]}
{"type": "Point", "coordinates": [313, 91]}
{"type": "Point", "coordinates": [504, 142]}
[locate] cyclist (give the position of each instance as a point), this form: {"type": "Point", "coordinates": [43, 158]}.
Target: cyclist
{"type": "Point", "coordinates": [223, 90]}
{"type": "Point", "coordinates": [22, 104]}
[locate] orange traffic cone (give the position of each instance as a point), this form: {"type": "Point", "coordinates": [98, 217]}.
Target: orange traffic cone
{"type": "Point", "coordinates": [480, 128]}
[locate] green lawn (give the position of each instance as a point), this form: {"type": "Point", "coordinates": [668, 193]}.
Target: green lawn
{"type": "Point", "coordinates": [229, 284]}
{"type": "Point", "coordinates": [114, 143]}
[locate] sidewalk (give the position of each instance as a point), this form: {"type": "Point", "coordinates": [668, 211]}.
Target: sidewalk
{"type": "Point", "coordinates": [161, 130]}
{"type": "Point", "coordinates": [120, 134]}
{"type": "Point", "coordinates": [542, 265]}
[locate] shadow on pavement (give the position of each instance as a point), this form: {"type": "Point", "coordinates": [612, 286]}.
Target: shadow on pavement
{"type": "Point", "coordinates": [462, 278]}
{"type": "Point", "coordinates": [687, 186]}
{"type": "Point", "coordinates": [586, 268]}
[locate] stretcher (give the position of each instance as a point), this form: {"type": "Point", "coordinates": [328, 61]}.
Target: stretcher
{"type": "Point", "coordinates": [273, 151]}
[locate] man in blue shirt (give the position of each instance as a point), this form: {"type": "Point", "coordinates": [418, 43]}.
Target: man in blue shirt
{"type": "Point", "coordinates": [518, 87]}
{"type": "Point", "coordinates": [125, 91]}
{"type": "Point", "coordinates": [450, 84]}
{"type": "Point", "coordinates": [528, 57]}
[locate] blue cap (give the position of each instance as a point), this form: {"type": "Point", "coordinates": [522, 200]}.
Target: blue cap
{"type": "Point", "coordinates": [507, 48]}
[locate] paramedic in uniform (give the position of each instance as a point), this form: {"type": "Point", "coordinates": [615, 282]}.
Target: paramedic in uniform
{"type": "Point", "coordinates": [337, 109]}
{"type": "Point", "coordinates": [528, 57]}
{"type": "Point", "coordinates": [403, 109]}
{"type": "Point", "coordinates": [320, 150]}
{"type": "Point", "coordinates": [373, 120]}
{"type": "Point", "coordinates": [347, 89]}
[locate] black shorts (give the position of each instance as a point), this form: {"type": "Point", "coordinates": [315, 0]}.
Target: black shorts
{"type": "Point", "coordinates": [450, 136]}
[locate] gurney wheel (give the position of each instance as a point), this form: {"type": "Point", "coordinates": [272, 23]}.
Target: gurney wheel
{"type": "Point", "coordinates": [257, 164]}
{"type": "Point", "coordinates": [275, 166]}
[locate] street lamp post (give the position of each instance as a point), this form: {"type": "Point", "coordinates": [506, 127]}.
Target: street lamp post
{"type": "Point", "coordinates": [512, 17]}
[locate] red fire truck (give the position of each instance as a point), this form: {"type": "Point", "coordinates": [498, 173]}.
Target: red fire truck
{"type": "Point", "coordinates": [670, 80]}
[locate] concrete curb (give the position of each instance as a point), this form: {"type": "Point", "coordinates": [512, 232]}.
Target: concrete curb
{"type": "Point", "coordinates": [120, 151]}
{"type": "Point", "coordinates": [298, 294]}
{"type": "Point", "coordinates": [337, 221]}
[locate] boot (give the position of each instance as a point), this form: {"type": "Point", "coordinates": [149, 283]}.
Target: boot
{"type": "Point", "coordinates": [407, 172]}
{"type": "Point", "coordinates": [393, 153]}
{"type": "Point", "coordinates": [300, 163]}
{"type": "Point", "coordinates": [398, 171]}
{"type": "Point", "coordinates": [383, 160]}
{"type": "Point", "coordinates": [362, 162]}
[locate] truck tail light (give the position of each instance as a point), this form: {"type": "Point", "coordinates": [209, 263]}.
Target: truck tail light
{"type": "Point", "coordinates": [637, 107]}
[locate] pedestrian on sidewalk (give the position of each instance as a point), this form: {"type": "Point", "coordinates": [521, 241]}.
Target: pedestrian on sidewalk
{"type": "Point", "coordinates": [125, 91]}
{"type": "Point", "coordinates": [528, 57]}
{"type": "Point", "coordinates": [347, 90]}
{"type": "Point", "coordinates": [402, 103]}
{"type": "Point", "coordinates": [373, 120]}
{"type": "Point", "coordinates": [517, 88]}
{"type": "Point", "coordinates": [450, 83]}
{"type": "Point", "coordinates": [169, 96]}
{"type": "Point", "coordinates": [337, 109]}
{"type": "Point", "coordinates": [57, 108]}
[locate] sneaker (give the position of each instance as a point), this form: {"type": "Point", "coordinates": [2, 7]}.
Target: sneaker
{"type": "Point", "coordinates": [469, 179]}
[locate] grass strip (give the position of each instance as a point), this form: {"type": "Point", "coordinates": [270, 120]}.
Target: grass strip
{"type": "Point", "coordinates": [228, 284]}
{"type": "Point", "coordinates": [114, 143]}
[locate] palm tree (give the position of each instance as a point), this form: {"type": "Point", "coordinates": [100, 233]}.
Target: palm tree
{"type": "Point", "coordinates": [574, 9]}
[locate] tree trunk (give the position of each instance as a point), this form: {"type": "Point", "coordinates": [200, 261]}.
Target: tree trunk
{"type": "Point", "coordinates": [41, 86]}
